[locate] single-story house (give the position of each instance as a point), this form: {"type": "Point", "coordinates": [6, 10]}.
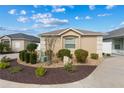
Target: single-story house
{"type": "Point", "coordinates": [73, 39]}
{"type": "Point", "coordinates": [18, 41]}
{"type": "Point", "coordinates": [115, 41]}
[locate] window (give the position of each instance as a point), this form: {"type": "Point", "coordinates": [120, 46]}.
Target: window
{"type": "Point", "coordinates": [70, 42]}
{"type": "Point", "coordinates": [117, 46]}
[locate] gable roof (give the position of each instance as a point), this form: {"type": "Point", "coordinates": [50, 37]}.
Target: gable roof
{"type": "Point", "coordinates": [24, 37]}
{"type": "Point", "coordinates": [61, 31]}
{"type": "Point", "coordinates": [115, 33]}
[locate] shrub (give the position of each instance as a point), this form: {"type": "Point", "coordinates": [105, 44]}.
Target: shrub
{"type": "Point", "coordinates": [69, 67]}
{"type": "Point", "coordinates": [5, 59]}
{"type": "Point", "coordinates": [81, 55]}
{"type": "Point", "coordinates": [15, 69]}
{"type": "Point", "coordinates": [1, 47]}
{"type": "Point", "coordinates": [31, 47]}
{"type": "Point", "coordinates": [63, 52]}
{"type": "Point", "coordinates": [33, 58]}
{"type": "Point", "coordinates": [40, 71]}
{"type": "Point", "coordinates": [22, 55]}
{"type": "Point", "coordinates": [4, 65]}
{"type": "Point", "coordinates": [94, 56]}
{"type": "Point", "coordinates": [27, 57]}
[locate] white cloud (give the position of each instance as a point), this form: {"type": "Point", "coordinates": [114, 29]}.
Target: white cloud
{"type": "Point", "coordinates": [58, 9]}
{"type": "Point", "coordinates": [22, 19]}
{"type": "Point", "coordinates": [53, 21]}
{"type": "Point", "coordinates": [43, 26]}
{"type": "Point", "coordinates": [110, 6]}
{"type": "Point", "coordinates": [23, 12]}
{"type": "Point", "coordinates": [105, 14]}
{"type": "Point", "coordinates": [39, 15]}
{"type": "Point", "coordinates": [88, 17]}
{"type": "Point", "coordinates": [91, 7]}
{"type": "Point", "coordinates": [122, 23]}
{"type": "Point", "coordinates": [70, 6]}
{"type": "Point", "coordinates": [77, 18]}
{"type": "Point", "coordinates": [12, 11]}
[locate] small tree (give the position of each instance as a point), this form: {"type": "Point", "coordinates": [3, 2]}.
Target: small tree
{"type": "Point", "coordinates": [31, 47]}
{"type": "Point", "coordinates": [50, 45]}
{"type": "Point", "coordinates": [1, 47]}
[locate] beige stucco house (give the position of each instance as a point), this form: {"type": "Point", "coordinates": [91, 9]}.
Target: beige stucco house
{"type": "Point", "coordinates": [73, 39]}
{"type": "Point", "coordinates": [18, 41]}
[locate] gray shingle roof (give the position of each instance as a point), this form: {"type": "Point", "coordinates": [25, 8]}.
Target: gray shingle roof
{"type": "Point", "coordinates": [24, 36]}
{"type": "Point", "coordinates": [57, 32]}
{"type": "Point", "coordinates": [115, 33]}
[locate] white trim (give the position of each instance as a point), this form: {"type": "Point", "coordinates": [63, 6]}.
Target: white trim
{"type": "Point", "coordinates": [71, 29]}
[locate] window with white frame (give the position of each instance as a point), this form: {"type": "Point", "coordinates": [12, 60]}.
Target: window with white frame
{"type": "Point", "coordinates": [70, 42]}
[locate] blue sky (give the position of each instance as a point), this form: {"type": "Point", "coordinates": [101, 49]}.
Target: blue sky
{"type": "Point", "coordinates": [34, 19]}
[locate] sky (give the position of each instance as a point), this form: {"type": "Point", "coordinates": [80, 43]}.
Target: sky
{"type": "Point", "coordinates": [37, 19]}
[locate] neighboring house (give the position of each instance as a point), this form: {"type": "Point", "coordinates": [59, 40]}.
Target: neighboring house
{"type": "Point", "coordinates": [115, 41]}
{"type": "Point", "coordinates": [73, 39]}
{"type": "Point", "coordinates": [18, 41]}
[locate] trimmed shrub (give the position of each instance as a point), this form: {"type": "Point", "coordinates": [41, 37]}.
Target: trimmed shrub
{"type": "Point", "coordinates": [63, 52]}
{"type": "Point", "coordinates": [27, 57]}
{"type": "Point", "coordinates": [81, 55]}
{"type": "Point", "coordinates": [69, 67]}
{"type": "Point", "coordinates": [22, 55]}
{"type": "Point", "coordinates": [33, 58]}
{"type": "Point", "coordinates": [40, 71]}
{"type": "Point", "coordinates": [15, 69]}
{"type": "Point", "coordinates": [1, 47]}
{"type": "Point", "coordinates": [94, 56]}
{"type": "Point", "coordinates": [31, 47]}
{"type": "Point", "coordinates": [4, 65]}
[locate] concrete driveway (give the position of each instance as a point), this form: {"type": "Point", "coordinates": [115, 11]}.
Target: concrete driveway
{"type": "Point", "coordinates": [12, 55]}
{"type": "Point", "coordinates": [110, 73]}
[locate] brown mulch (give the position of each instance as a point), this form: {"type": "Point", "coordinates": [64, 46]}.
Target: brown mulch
{"type": "Point", "coordinates": [53, 75]}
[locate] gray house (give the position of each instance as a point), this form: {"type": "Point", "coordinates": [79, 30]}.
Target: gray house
{"type": "Point", "coordinates": [116, 39]}
{"type": "Point", "coordinates": [18, 41]}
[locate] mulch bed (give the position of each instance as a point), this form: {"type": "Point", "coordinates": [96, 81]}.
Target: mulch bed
{"type": "Point", "coordinates": [53, 75]}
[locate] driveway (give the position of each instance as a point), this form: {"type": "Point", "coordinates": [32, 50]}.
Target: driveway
{"type": "Point", "coordinates": [12, 55]}
{"type": "Point", "coordinates": [110, 73]}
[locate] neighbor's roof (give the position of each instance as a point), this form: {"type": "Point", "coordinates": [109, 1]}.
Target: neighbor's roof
{"type": "Point", "coordinates": [115, 33]}
{"type": "Point", "coordinates": [23, 36]}
{"type": "Point", "coordinates": [83, 32]}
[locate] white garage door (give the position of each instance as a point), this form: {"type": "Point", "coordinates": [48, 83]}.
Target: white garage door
{"type": "Point", "coordinates": [107, 47]}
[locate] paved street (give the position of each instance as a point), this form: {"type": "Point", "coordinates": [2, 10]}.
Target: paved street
{"type": "Point", "coordinates": [109, 73]}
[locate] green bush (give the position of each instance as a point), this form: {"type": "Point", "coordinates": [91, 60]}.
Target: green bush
{"type": "Point", "coordinates": [94, 56]}
{"type": "Point", "coordinates": [33, 58]}
{"type": "Point", "coordinates": [40, 71]}
{"type": "Point", "coordinates": [69, 67]}
{"type": "Point", "coordinates": [22, 55]}
{"type": "Point", "coordinates": [27, 57]}
{"type": "Point", "coordinates": [4, 65]}
{"type": "Point", "coordinates": [15, 69]}
{"type": "Point", "coordinates": [63, 52]}
{"type": "Point", "coordinates": [1, 47]}
{"type": "Point", "coordinates": [31, 47]}
{"type": "Point", "coordinates": [81, 55]}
